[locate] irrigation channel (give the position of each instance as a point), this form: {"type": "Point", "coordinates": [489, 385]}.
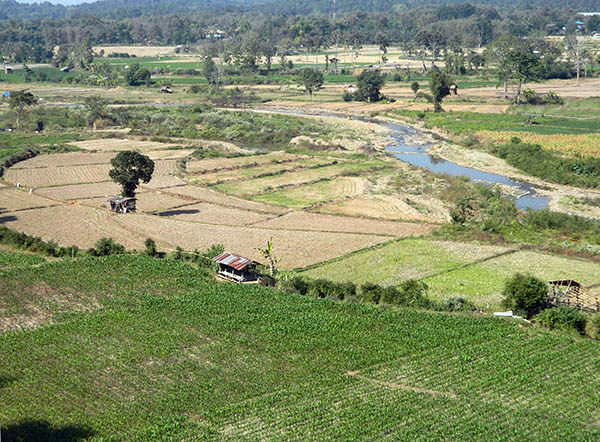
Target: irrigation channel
{"type": "Point", "coordinates": [405, 149]}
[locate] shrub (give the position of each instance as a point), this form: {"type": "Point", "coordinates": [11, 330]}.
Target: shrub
{"type": "Point", "coordinates": [150, 247]}
{"type": "Point", "coordinates": [370, 292]}
{"type": "Point", "coordinates": [525, 294]}
{"type": "Point", "coordinates": [458, 304]}
{"type": "Point", "coordinates": [596, 326]}
{"type": "Point", "coordinates": [347, 96]}
{"type": "Point", "coordinates": [105, 247]}
{"type": "Point", "coordinates": [562, 318]}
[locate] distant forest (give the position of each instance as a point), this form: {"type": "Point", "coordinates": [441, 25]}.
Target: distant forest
{"type": "Point", "coordinates": [29, 33]}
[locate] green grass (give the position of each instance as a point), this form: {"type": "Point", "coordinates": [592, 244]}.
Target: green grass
{"type": "Point", "coordinates": [172, 358]}
{"type": "Point", "coordinates": [20, 140]}
{"type": "Point", "coordinates": [465, 123]}
{"type": "Point", "coordinates": [472, 271]}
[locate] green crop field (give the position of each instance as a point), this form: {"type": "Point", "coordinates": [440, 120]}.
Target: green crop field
{"type": "Point", "coordinates": [166, 353]}
{"type": "Point", "coordinates": [473, 271]}
{"type": "Point", "coordinates": [10, 259]}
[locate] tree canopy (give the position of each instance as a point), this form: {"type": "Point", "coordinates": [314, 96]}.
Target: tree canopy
{"type": "Point", "coordinates": [20, 101]}
{"type": "Point", "coordinates": [129, 168]}
{"type": "Point", "coordinates": [369, 86]}
{"type": "Point", "coordinates": [311, 79]}
{"type": "Point", "coordinates": [439, 83]}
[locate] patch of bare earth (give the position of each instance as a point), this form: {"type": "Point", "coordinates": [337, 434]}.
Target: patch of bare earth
{"type": "Point", "coordinates": [332, 223]}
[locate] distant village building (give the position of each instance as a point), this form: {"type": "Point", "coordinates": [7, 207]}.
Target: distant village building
{"type": "Point", "coordinates": [236, 268]}
{"type": "Point", "coordinates": [8, 70]}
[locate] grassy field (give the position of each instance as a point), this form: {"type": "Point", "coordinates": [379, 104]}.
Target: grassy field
{"type": "Point", "coordinates": [476, 272]}
{"type": "Point", "coordinates": [162, 352]}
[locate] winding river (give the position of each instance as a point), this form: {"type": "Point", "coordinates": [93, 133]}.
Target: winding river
{"type": "Point", "coordinates": [406, 150]}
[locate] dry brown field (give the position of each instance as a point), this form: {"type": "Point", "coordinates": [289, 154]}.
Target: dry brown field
{"type": "Point", "coordinates": [17, 199]}
{"type": "Point", "coordinates": [248, 173]}
{"type": "Point", "coordinates": [163, 182]}
{"type": "Point", "coordinates": [80, 191]}
{"type": "Point", "coordinates": [214, 164]}
{"type": "Point", "coordinates": [378, 206]}
{"type": "Point", "coordinates": [68, 159]}
{"type": "Point", "coordinates": [332, 223]}
{"type": "Point", "coordinates": [117, 144]}
{"type": "Point", "coordinates": [200, 194]}
{"type": "Point", "coordinates": [208, 213]}
{"type": "Point", "coordinates": [138, 51]}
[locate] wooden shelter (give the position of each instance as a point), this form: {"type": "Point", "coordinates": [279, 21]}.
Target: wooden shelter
{"type": "Point", "coordinates": [120, 204]}
{"type": "Point", "coordinates": [236, 268]}
{"type": "Point", "coordinates": [572, 293]}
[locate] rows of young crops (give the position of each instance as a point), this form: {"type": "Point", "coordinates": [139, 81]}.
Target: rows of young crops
{"type": "Point", "coordinates": [10, 259]}
{"type": "Point", "coordinates": [169, 353]}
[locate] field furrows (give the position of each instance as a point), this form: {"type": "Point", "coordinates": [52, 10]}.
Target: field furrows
{"type": "Point", "coordinates": [58, 176]}
{"type": "Point", "coordinates": [14, 200]}
{"type": "Point", "coordinates": [80, 191]}
{"type": "Point", "coordinates": [311, 195]}
{"type": "Point", "coordinates": [259, 172]}
{"type": "Point", "coordinates": [296, 248]}
{"type": "Point", "coordinates": [200, 194]}
{"type": "Point", "coordinates": [72, 225]}
{"type": "Point", "coordinates": [65, 160]}
{"type": "Point", "coordinates": [260, 185]}
{"type": "Point", "coordinates": [116, 144]}
{"type": "Point", "coordinates": [208, 213]}
{"type": "Point", "coordinates": [163, 182]}
{"type": "Point", "coordinates": [380, 206]}
{"type": "Point", "coordinates": [216, 164]}
{"type": "Point", "coordinates": [332, 223]}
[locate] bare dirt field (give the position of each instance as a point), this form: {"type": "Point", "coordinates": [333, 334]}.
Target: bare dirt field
{"type": "Point", "coordinates": [588, 87]}
{"type": "Point", "coordinates": [215, 214]}
{"type": "Point", "coordinates": [379, 206]}
{"type": "Point", "coordinates": [117, 144]}
{"type": "Point", "coordinates": [332, 223]}
{"type": "Point", "coordinates": [138, 51]}
{"type": "Point", "coordinates": [18, 199]}
{"type": "Point", "coordinates": [215, 164]}
{"type": "Point", "coordinates": [80, 191]}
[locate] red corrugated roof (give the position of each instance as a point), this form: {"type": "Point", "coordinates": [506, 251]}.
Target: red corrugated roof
{"type": "Point", "coordinates": [235, 261]}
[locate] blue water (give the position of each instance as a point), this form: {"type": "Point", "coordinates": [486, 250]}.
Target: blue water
{"type": "Point", "coordinates": [417, 156]}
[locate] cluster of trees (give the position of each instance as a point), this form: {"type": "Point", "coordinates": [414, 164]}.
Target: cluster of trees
{"type": "Point", "coordinates": [271, 31]}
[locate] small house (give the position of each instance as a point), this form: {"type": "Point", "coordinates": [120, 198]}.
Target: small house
{"type": "Point", "coordinates": [236, 268]}
{"type": "Point", "coordinates": [8, 70]}
{"type": "Point", "coordinates": [121, 204]}
{"type": "Point", "coordinates": [572, 293]}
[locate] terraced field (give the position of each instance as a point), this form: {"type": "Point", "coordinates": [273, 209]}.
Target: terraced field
{"type": "Point", "coordinates": [473, 271]}
{"type": "Point", "coordinates": [75, 186]}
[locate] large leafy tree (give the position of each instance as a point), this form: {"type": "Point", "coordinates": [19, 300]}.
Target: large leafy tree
{"type": "Point", "coordinates": [20, 101]}
{"type": "Point", "coordinates": [129, 168]}
{"type": "Point", "coordinates": [311, 79]}
{"type": "Point", "coordinates": [439, 83]}
{"type": "Point", "coordinates": [524, 66]}
{"type": "Point", "coordinates": [136, 75]}
{"type": "Point", "coordinates": [369, 86]}
{"type": "Point", "coordinates": [498, 54]}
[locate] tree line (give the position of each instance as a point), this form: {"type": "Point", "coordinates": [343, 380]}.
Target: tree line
{"type": "Point", "coordinates": [427, 27]}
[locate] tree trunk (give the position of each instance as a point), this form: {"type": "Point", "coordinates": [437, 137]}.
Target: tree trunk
{"type": "Point", "coordinates": [505, 89]}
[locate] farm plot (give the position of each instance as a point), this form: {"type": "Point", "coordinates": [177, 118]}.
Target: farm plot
{"type": "Point", "coordinates": [484, 281]}
{"type": "Point", "coordinates": [146, 202]}
{"type": "Point", "coordinates": [214, 164]}
{"type": "Point", "coordinates": [260, 185]}
{"type": "Point", "coordinates": [93, 173]}
{"type": "Point", "coordinates": [13, 199]}
{"type": "Point", "coordinates": [214, 214]}
{"type": "Point", "coordinates": [295, 248]}
{"type": "Point", "coordinates": [67, 159]}
{"type": "Point", "coordinates": [200, 194]}
{"type": "Point", "coordinates": [80, 191]}
{"type": "Point", "coordinates": [316, 193]}
{"type": "Point", "coordinates": [58, 176]}
{"type": "Point", "coordinates": [74, 225]}
{"type": "Point", "coordinates": [379, 206]}
{"type": "Point", "coordinates": [163, 182]}
{"type": "Point", "coordinates": [116, 144]}
{"type": "Point", "coordinates": [10, 259]}
{"type": "Point", "coordinates": [251, 172]}
{"type": "Point", "coordinates": [332, 223]}
{"type": "Point", "coordinates": [401, 260]}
